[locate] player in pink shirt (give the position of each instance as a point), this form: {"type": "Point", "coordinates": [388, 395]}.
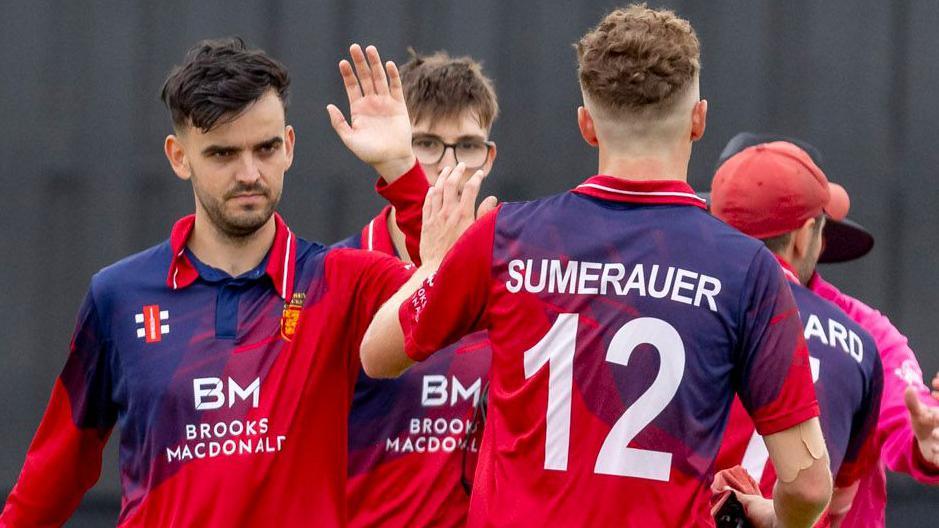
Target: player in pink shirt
{"type": "Point", "coordinates": [908, 426]}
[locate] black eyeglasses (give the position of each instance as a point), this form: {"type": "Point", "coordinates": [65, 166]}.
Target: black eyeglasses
{"type": "Point", "coordinates": [474, 153]}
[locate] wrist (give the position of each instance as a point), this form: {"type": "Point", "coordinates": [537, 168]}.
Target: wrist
{"type": "Point", "coordinates": [391, 170]}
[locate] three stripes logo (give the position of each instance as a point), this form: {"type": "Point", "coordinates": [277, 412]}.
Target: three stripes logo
{"type": "Point", "coordinates": [155, 323]}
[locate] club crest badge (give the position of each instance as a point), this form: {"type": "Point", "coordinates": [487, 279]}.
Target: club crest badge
{"type": "Point", "coordinates": [291, 316]}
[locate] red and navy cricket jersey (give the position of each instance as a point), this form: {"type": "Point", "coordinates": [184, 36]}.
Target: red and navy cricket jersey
{"type": "Point", "coordinates": [413, 441]}
{"type": "Point", "coordinates": [231, 393]}
{"type": "Point", "coordinates": [623, 319]}
{"type": "Point", "coordinates": [848, 378]}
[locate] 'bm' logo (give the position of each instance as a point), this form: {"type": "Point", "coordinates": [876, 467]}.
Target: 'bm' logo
{"type": "Point", "coordinates": [435, 391]}
{"type": "Point", "coordinates": [209, 395]}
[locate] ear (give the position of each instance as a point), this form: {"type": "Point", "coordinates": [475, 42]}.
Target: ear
{"type": "Point", "coordinates": [699, 118]}
{"type": "Point", "coordinates": [803, 238]}
{"type": "Point", "coordinates": [587, 128]}
{"type": "Point", "coordinates": [290, 139]}
{"type": "Point", "coordinates": [176, 154]}
{"type": "Point", "coordinates": [492, 158]}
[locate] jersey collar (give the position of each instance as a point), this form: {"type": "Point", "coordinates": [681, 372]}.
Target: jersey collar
{"type": "Point", "coordinates": [667, 192]}
{"type": "Point", "coordinates": [788, 270]}
{"type": "Point", "coordinates": [280, 261]}
{"type": "Point", "coordinates": [376, 236]}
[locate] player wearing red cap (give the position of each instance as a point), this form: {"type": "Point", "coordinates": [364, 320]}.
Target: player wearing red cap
{"type": "Point", "coordinates": [623, 318]}
{"type": "Point", "coordinates": [908, 425]}
{"type": "Point", "coordinates": [775, 192]}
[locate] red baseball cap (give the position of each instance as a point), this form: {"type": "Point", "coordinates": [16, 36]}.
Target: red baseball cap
{"type": "Point", "coordinates": [771, 189]}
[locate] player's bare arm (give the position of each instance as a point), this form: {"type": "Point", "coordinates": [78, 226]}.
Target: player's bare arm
{"type": "Point", "coordinates": [379, 130]}
{"type": "Point", "coordinates": [448, 212]}
{"type": "Point", "coordinates": [804, 486]}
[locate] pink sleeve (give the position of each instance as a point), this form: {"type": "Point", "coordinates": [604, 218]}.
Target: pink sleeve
{"type": "Point", "coordinates": [901, 370]}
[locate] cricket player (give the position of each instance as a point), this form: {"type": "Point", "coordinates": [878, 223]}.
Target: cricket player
{"type": "Point", "coordinates": [776, 193]}
{"type": "Point", "coordinates": [908, 424]}
{"type": "Point", "coordinates": [623, 318]}
{"type": "Point", "coordinates": [413, 440]}
{"type": "Point", "coordinates": [227, 353]}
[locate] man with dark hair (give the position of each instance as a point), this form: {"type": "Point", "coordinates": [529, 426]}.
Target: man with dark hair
{"type": "Point", "coordinates": [227, 353]}
{"type": "Point", "coordinates": [908, 423]}
{"type": "Point", "coordinates": [776, 193]}
{"type": "Point", "coordinates": [623, 317]}
{"type": "Point", "coordinates": [416, 435]}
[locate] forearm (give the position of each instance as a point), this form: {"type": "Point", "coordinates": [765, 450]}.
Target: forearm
{"type": "Point", "coordinates": [382, 351]}
{"type": "Point", "coordinates": [62, 463]}
{"type": "Point", "coordinates": [799, 503]}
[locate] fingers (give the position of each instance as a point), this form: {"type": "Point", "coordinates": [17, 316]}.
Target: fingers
{"type": "Point", "coordinates": [353, 92]}
{"type": "Point", "coordinates": [438, 195]}
{"type": "Point", "coordinates": [451, 187]}
{"type": "Point", "coordinates": [397, 92]}
{"type": "Point", "coordinates": [362, 70]}
{"type": "Point", "coordinates": [486, 206]}
{"type": "Point", "coordinates": [378, 73]}
{"type": "Point", "coordinates": [470, 192]}
{"type": "Point", "coordinates": [912, 403]}
{"type": "Point", "coordinates": [338, 121]}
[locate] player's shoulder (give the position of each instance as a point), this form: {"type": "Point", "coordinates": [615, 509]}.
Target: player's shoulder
{"type": "Point", "coordinates": [826, 321]}
{"type": "Point", "coordinates": [149, 266]}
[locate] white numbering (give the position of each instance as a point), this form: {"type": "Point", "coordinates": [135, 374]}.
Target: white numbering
{"type": "Point", "coordinates": [556, 349]}
{"type": "Point", "coordinates": [756, 455]}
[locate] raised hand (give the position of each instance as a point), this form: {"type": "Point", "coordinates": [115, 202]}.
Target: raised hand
{"type": "Point", "coordinates": [925, 421]}
{"type": "Point", "coordinates": [379, 129]}
{"type": "Point", "coordinates": [449, 210]}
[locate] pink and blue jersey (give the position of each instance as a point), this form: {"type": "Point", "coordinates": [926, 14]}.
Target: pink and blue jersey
{"type": "Point", "coordinates": [413, 441]}
{"type": "Point", "coordinates": [231, 393]}
{"type": "Point", "coordinates": [848, 378]}
{"type": "Point", "coordinates": [898, 447]}
{"type": "Point", "coordinates": [623, 319]}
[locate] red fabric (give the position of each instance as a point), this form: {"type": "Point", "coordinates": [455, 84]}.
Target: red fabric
{"type": "Point", "coordinates": [769, 189]}
{"type": "Point", "coordinates": [357, 284]}
{"type": "Point", "coordinates": [645, 192]}
{"type": "Point", "coordinates": [280, 263]}
{"type": "Point", "coordinates": [406, 195]}
{"type": "Point", "coordinates": [45, 479]}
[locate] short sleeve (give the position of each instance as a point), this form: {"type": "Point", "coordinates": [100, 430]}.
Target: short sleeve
{"type": "Point", "coordinates": [452, 302]}
{"type": "Point", "coordinates": [773, 374]}
{"type": "Point", "coordinates": [863, 450]}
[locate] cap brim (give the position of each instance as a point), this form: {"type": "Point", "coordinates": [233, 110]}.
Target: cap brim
{"type": "Point", "coordinates": [844, 241]}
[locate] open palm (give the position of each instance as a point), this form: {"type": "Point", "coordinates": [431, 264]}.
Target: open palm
{"type": "Point", "coordinates": [379, 129]}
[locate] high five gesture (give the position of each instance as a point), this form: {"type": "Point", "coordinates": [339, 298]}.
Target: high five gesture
{"type": "Point", "coordinates": [379, 130]}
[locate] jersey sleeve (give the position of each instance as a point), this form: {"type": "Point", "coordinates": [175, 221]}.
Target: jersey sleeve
{"type": "Point", "coordinates": [64, 458]}
{"type": "Point", "coordinates": [407, 195]}
{"type": "Point", "coordinates": [452, 302]}
{"type": "Point", "coordinates": [367, 279]}
{"type": "Point", "coordinates": [773, 377]}
{"type": "Point", "coordinates": [862, 452]}
{"type": "Point", "coordinates": [898, 446]}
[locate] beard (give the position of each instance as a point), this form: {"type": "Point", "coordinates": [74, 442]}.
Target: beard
{"type": "Point", "coordinates": [234, 220]}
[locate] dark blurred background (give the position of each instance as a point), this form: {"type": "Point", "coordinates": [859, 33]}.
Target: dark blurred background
{"type": "Point", "coordinates": [81, 144]}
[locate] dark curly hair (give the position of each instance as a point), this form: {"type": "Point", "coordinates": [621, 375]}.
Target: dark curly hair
{"type": "Point", "coordinates": [218, 80]}
{"type": "Point", "coordinates": [638, 59]}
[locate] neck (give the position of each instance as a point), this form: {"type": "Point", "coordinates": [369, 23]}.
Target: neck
{"type": "Point", "coordinates": [397, 237]}
{"type": "Point", "coordinates": [233, 255]}
{"type": "Point", "coordinates": [648, 166]}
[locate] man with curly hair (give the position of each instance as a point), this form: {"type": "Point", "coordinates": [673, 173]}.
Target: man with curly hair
{"type": "Point", "coordinates": [623, 318]}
